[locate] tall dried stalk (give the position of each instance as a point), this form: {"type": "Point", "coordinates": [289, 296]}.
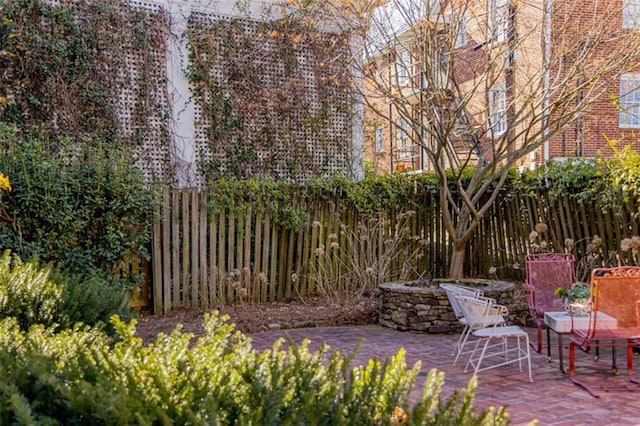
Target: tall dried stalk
{"type": "Point", "coordinates": [378, 250]}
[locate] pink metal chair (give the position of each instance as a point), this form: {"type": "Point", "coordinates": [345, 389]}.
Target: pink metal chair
{"type": "Point", "coordinates": [614, 319]}
{"type": "Point", "coordinates": [544, 273]}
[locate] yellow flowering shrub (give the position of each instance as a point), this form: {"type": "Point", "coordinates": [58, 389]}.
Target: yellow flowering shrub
{"type": "Point", "coordinates": [4, 183]}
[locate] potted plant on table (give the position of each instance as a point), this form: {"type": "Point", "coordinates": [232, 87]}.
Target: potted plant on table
{"type": "Point", "coordinates": [576, 298]}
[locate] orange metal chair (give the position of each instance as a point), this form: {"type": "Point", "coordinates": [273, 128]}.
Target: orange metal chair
{"type": "Point", "coordinates": [544, 273]}
{"type": "Point", "coordinates": [614, 319]}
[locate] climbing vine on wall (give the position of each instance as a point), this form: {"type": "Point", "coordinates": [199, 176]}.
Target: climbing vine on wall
{"type": "Point", "coordinates": [89, 72]}
{"type": "Point", "coordinates": [270, 102]}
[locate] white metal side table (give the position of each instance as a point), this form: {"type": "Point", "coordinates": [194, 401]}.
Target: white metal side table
{"type": "Point", "coordinates": [560, 323]}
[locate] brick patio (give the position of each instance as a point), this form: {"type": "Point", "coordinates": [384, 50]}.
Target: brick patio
{"type": "Point", "coordinates": [551, 398]}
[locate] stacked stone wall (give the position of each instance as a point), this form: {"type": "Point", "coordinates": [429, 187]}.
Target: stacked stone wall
{"type": "Point", "coordinates": [426, 309]}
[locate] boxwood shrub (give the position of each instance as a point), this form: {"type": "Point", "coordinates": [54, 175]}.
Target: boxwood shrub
{"type": "Point", "coordinates": [56, 368]}
{"type": "Point", "coordinates": [34, 294]}
{"type": "Point", "coordinates": [83, 376]}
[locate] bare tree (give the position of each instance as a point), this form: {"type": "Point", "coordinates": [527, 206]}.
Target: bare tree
{"type": "Point", "coordinates": [477, 86]}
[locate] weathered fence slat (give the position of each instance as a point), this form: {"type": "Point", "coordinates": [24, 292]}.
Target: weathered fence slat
{"type": "Point", "coordinates": [175, 248]}
{"type": "Point", "coordinates": [313, 243]}
{"type": "Point", "coordinates": [195, 223]}
{"type": "Point", "coordinates": [214, 283]}
{"type": "Point", "coordinates": [281, 264]}
{"type": "Point", "coordinates": [266, 244]}
{"type": "Point", "coordinates": [273, 263]}
{"type": "Point", "coordinates": [186, 281]}
{"type": "Point", "coordinates": [257, 256]}
{"type": "Point", "coordinates": [222, 275]}
{"type": "Point", "coordinates": [166, 270]}
{"type": "Point", "coordinates": [156, 254]}
{"type": "Point", "coordinates": [230, 273]}
{"type": "Point", "coordinates": [246, 255]}
{"type": "Point", "coordinates": [300, 253]}
{"type": "Point", "coordinates": [202, 238]}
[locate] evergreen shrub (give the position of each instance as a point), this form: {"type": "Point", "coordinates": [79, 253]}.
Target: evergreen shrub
{"type": "Point", "coordinates": [82, 376]}
{"type": "Point", "coordinates": [87, 212]}
{"type": "Point", "coordinates": [35, 294]}
{"type": "Point", "coordinates": [26, 293]}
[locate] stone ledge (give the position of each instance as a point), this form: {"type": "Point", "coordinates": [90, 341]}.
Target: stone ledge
{"type": "Point", "coordinates": [424, 307]}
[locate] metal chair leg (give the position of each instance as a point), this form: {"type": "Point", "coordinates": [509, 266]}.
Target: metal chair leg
{"type": "Point", "coordinates": [548, 344]}
{"type": "Point", "coordinates": [464, 337]}
{"type": "Point", "coordinates": [572, 371]}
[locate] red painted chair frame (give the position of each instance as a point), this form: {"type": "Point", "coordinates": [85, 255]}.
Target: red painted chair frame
{"type": "Point", "coordinates": [616, 293]}
{"type": "Point", "coordinates": [544, 273]}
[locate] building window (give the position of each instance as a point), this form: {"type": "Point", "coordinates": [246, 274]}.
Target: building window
{"type": "Point", "coordinates": [497, 110]}
{"type": "Point", "coordinates": [379, 78]}
{"type": "Point", "coordinates": [403, 65]}
{"type": "Point", "coordinates": [379, 139]}
{"type": "Point", "coordinates": [402, 138]}
{"type": "Point", "coordinates": [631, 14]}
{"type": "Point", "coordinates": [630, 101]}
{"type": "Point", "coordinates": [497, 25]}
{"type": "Point", "coordinates": [440, 68]}
{"type": "Point", "coordinates": [461, 36]}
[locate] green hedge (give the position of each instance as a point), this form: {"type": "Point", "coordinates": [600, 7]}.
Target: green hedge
{"type": "Point", "coordinates": [53, 375]}
{"type": "Point", "coordinates": [82, 376]}
{"type": "Point", "coordinates": [89, 212]}
{"type": "Point", "coordinates": [33, 294]}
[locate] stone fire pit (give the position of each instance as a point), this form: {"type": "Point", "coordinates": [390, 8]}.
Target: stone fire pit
{"type": "Point", "coordinates": [423, 306]}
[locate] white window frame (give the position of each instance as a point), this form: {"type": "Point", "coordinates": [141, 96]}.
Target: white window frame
{"type": "Point", "coordinates": [498, 110]}
{"type": "Point", "coordinates": [402, 137]}
{"type": "Point", "coordinates": [461, 36]}
{"type": "Point", "coordinates": [403, 66]}
{"type": "Point", "coordinates": [631, 14]}
{"type": "Point", "coordinates": [497, 20]}
{"type": "Point", "coordinates": [440, 68]}
{"type": "Point", "coordinates": [630, 101]}
{"type": "Point", "coordinates": [379, 78]}
{"type": "Point", "coordinates": [379, 139]}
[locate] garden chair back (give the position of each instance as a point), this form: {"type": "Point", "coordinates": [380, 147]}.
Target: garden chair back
{"type": "Point", "coordinates": [452, 291]}
{"type": "Point", "coordinates": [544, 273]}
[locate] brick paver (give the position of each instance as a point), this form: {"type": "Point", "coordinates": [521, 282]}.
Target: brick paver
{"type": "Point", "coordinates": [551, 399]}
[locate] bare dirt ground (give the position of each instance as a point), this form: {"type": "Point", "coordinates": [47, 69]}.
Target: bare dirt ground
{"type": "Point", "coordinates": [250, 318]}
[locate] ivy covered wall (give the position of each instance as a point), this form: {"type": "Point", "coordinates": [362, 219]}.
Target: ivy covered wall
{"type": "Point", "coordinates": [269, 100]}
{"type": "Point", "coordinates": [81, 74]}
{"type": "Point", "coordinates": [259, 98]}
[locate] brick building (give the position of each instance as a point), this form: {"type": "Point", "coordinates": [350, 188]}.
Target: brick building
{"type": "Point", "coordinates": [476, 79]}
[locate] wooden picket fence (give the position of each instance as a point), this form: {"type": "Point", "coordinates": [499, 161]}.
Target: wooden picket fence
{"type": "Point", "coordinates": [206, 259]}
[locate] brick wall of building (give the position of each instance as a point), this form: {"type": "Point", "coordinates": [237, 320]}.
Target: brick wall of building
{"type": "Point", "coordinates": [571, 20]}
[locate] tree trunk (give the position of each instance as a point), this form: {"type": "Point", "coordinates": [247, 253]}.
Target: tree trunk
{"type": "Point", "coordinates": [456, 267]}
